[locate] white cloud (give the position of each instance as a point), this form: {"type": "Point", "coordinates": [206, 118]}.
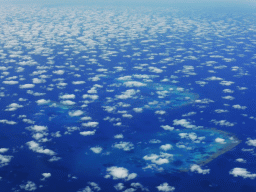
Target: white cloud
{"type": "Point", "coordinates": [138, 185]}
{"type": "Point", "coordinates": [120, 173]}
{"type": "Point", "coordinates": [42, 101]}
{"type": "Point", "coordinates": [86, 133]}
{"type": "Point", "coordinates": [54, 158]}
{"type": "Point", "coordinates": [13, 107]}
{"type": "Point", "coordinates": [167, 127]}
{"type": "Point", "coordinates": [37, 128]}
{"type": "Point", "coordinates": [239, 107]}
{"type": "Point", "coordinates": [241, 88]}
{"type": "Point", "coordinates": [119, 186]}
{"type": "Point", "coordinates": [134, 84]}
{"type": "Point", "coordinates": [59, 72]}
{"type": "Point", "coordinates": [78, 82]}
{"type": "Point", "coordinates": [3, 68]}
{"type": "Point", "coordinates": [191, 136]}
{"type": "Point", "coordinates": [37, 81]}
{"type": "Point", "coordinates": [47, 175]}
{"type": "Point", "coordinates": [124, 78]}
{"type": "Point", "coordinates": [93, 97]}
{"type": "Point", "coordinates": [56, 134]}
{"type": "Point", "coordinates": [86, 118]}
{"type": "Point", "coordinates": [220, 140]}
{"type": "Point", "coordinates": [126, 146]}
{"type": "Point", "coordinates": [96, 149]}
{"type": "Point", "coordinates": [90, 124]}
{"type": "Point", "coordinates": [127, 116]}
{"type": "Point", "coordinates": [251, 142]}
{"type": "Point", "coordinates": [155, 70]}
{"type": "Point", "coordinates": [204, 101]}
{"type": "Point", "coordinates": [201, 83]}
{"type": "Point", "coordinates": [138, 110]}
{"type": "Point", "coordinates": [228, 91]}
{"type": "Point", "coordinates": [3, 150]}
{"type": "Point", "coordinates": [27, 86]}
{"type": "Point", "coordinates": [119, 136]}
{"type": "Point", "coordinates": [94, 78]}
{"type": "Point", "coordinates": [163, 158]}
{"type": "Point", "coordinates": [241, 172]}
{"type": "Point", "coordinates": [34, 146]}
{"type": "Point", "coordinates": [198, 169]}
{"type": "Point", "coordinates": [241, 160]}
{"type": "Point", "coordinates": [160, 112]}
{"type": "Point", "coordinates": [7, 122]}
{"type": "Point", "coordinates": [10, 82]}
{"type": "Point", "coordinates": [101, 70]}
{"type": "Point", "coordinates": [166, 147]}
{"type": "Point", "coordinates": [68, 102]}
{"type": "Point", "coordinates": [165, 187]}
{"type": "Point", "coordinates": [184, 123]}
{"type": "Point", "coordinates": [95, 186]}
{"type": "Point", "coordinates": [226, 83]}
{"type": "Point", "coordinates": [222, 123]}
{"type": "Point", "coordinates": [189, 114]}
{"type": "Point", "coordinates": [29, 121]}
{"type": "Point", "coordinates": [127, 94]}
{"type": "Point", "coordinates": [22, 99]}
{"type": "Point", "coordinates": [220, 111]}
{"type": "Point", "coordinates": [229, 97]}
{"type": "Point", "coordinates": [155, 141]}
{"type": "Point", "coordinates": [75, 113]}
{"type": "Point", "coordinates": [38, 136]}
{"type": "Point", "coordinates": [29, 186]}
{"type": "Point", "coordinates": [213, 78]}
{"type": "Point", "coordinates": [5, 160]}
{"type": "Point", "coordinates": [67, 96]}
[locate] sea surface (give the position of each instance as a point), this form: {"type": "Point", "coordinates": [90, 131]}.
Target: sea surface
{"type": "Point", "coordinates": [119, 98]}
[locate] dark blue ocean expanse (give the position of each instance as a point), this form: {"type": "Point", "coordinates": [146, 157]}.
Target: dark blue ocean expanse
{"type": "Point", "coordinates": [123, 98]}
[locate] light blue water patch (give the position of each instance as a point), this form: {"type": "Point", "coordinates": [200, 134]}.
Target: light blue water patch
{"type": "Point", "coordinates": [149, 95]}
{"type": "Point", "coordinates": [165, 151]}
{"type": "Point", "coordinates": [55, 113]}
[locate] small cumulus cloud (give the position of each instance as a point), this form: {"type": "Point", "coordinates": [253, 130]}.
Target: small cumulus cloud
{"type": "Point", "coordinates": [29, 186]}
{"type": "Point", "coordinates": [59, 72]}
{"type": "Point", "coordinates": [119, 136]}
{"type": "Point", "coordinates": [34, 146]}
{"type": "Point", "coordinates": [67, 96]}
{"type": "Point", "coordinates": [42, 101]}
{"type": "Point", "coordinates": [251, 142]}
{"type": "Point", "coordinates": [165, 187]}
{"type": "Point", "coordinates": [166, 147]}
{"type": "Point", "coordinates": [119, 186]}
{"type": "Point", "coordinates": [241, 160]}
{"type": "Point", "coordinates": [86, 133]}
{"type": "Point", "coordinates": [90, 124]}
{"type": "Point", "coordinates": [239, 107]}
{"type": "Point", "coordinates": [75, 113]}
{"type": "Point", "coordinates": [167, 127]}
{"type": "Point", "coordinates": [126, 146]}
{"type": "Point", "coordinates": [5, 159]}
{"type": "Point", "coordinates": [10, 82]}
{"type": "Point", "coordinates": [120, 173]}
{"type": "Point", "coordinates": [198, 169]}
{"type": "Point", "coordinates": [241, 172]}
{"type": "Point", "coordinates": [96, 149]}
{"type": "Point", "coordinates": [220, 140]}
{"type": "Point", "coordinates": [37, 128]}
{"type": "Point", "coordinates": [27, 86]}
